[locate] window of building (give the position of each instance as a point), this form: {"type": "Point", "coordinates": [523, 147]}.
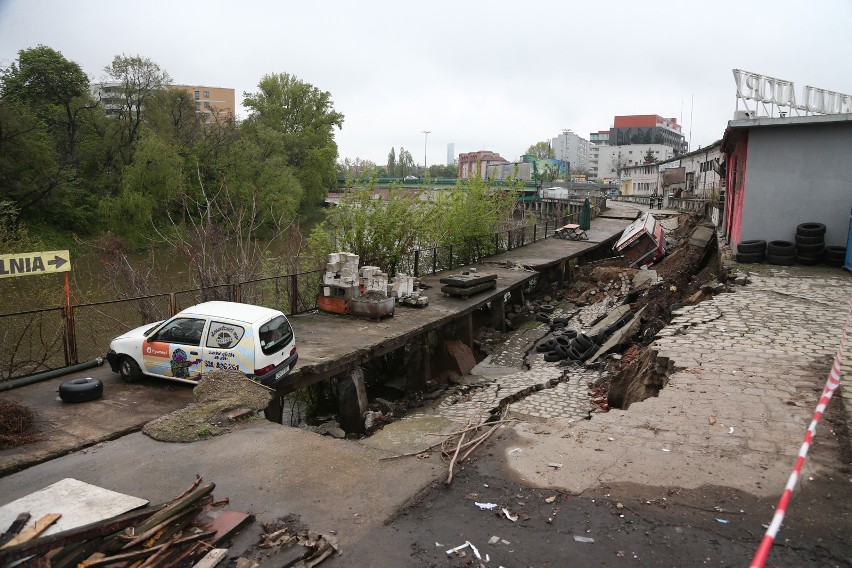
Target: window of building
{"type": "Point", "coordinates": [197, 95]}
{"type": "Point", "coordinates": [206, 104]}
{"type": "Point", "coordinates": [206, 94]}
{"type": "Point", "coordinates": [197, 106]}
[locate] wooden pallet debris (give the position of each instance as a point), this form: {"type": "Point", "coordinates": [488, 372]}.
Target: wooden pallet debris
{"type": "Point", "coordinates": [178, 533]}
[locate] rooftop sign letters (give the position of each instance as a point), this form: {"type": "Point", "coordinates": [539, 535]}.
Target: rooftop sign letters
{"type": "Point", "coordinates": [30, 263]}
{"type": "Point", "coordinates": [781, 93]}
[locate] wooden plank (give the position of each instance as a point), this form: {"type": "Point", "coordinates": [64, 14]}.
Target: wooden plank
{"type": "Point", "coordinates": [17, 525]}
{"type": "Point", "coordinates": [212, 558]}
{"type": "Point", "coordinates": [93, 530]}
{"type": "Point", "coordinates": [30, 533]}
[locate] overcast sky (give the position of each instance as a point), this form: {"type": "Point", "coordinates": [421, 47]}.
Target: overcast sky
{"type": "Point", "coordinates": [485, 75]}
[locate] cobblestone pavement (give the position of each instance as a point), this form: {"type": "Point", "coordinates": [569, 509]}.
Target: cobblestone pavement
{"type": "Point", "coordinates": [749, 368]}
{"type": "Point", "coordinates": [536, 389]}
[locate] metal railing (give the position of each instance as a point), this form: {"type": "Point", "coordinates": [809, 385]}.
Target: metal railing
{"type": "Point", "coordinates": [41, 340]}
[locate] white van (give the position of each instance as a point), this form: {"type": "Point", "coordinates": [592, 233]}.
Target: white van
{"type": "Point", "coordinates": [257, 341]}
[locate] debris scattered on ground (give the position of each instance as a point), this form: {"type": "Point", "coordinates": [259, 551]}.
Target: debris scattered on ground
{"type": "Point", "coordinates": [486, 506]}
{"type": "Point", "coordinates": [180, 532]}
{"type": "Point", "coordinates": [579, 538]}
{"type": "Point", "coordinates": [289, 542]}
{"type": "Point", "coordinates": [454, 442]}
{"type": "Point", "coordinates": [17, 425]}
{"type": "Point", "coordinates": [217, 396]}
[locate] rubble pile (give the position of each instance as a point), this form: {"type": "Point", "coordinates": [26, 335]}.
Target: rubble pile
{"type": "Point", "coordinates": [178, 533]}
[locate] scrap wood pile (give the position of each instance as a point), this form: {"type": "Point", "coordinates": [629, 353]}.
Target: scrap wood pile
{"type": "Point", "coordinates": [458, 446]}
{"type": "Point", "coordinates": [178, 533]}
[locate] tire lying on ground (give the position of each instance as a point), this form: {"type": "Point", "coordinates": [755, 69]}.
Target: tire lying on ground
{"type": "Point", "coordinates": [81, 390]}
{"type": "Point", "coordinates": [783, 260]}
{"type": "Point", "coordinates": [750, 257]}
{"type": "Point", "coordinates": [807, 260]}
{"type": "Point", "coordinates": [542, 317]}
{"type": "Point", "coordinates": [834, 256]}
{"type": "Point", "coordinates": [780, 248]}
{"type": "Point", "coordinates": [751, 247]}
{"type": "Point", "coordinates": [552, 356]}
{"type": "Point", "coordinates": [810, 229]}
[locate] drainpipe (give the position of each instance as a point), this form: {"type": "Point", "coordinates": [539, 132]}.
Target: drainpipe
{"type": "Point", "coordinates": [15, 383]}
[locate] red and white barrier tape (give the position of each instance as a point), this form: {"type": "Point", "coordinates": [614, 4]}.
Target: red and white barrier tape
{"type": "Point", "coordinates": [831, 385]}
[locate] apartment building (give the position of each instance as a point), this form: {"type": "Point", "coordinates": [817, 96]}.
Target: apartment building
{"type": "Point", "coordinates": [485, 158]}
{"type": "Point", "coordinates": [212, 103]}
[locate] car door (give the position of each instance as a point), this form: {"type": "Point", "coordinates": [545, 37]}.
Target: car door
{"type": "Point", "coordinates": [175, 351]}
{"type": "Point", "coordinates": [228, 347]}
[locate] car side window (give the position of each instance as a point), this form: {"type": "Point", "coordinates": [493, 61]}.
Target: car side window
{"type": "Point", "coordinates": [186, 331]}
{"type": "Point", "coordinates": [224, 335]}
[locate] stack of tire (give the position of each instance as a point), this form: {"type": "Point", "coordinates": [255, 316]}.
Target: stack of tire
{"type": "Point", "coordinates": [749, 252]}
{"type": "Point", "coordinates": [834, 256]}
{"type": "Point", "coordinates": [569, 345]}
{"type": "Point", "coordinates": [781, 252]}
{"type": "Point", "coordinates": [810, 243]}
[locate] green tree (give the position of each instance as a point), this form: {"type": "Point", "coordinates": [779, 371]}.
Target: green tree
{"type": "Point", "coordinates": [139, 80]}
{"type": "Point", "coordinates": [305, 118]}
{"type": "Point", "coordinates": [649, 157]}
{"type": "Point", "coordinates": [392, 163]}
{"type": "Point", "coordinates": [379, 231]}
{"type": "Point", "coordinates": [541, 150]}
{"type": "Point", "coordinates": [55, 89]}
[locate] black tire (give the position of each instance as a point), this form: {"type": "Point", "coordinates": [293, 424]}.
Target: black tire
{"type": "Point", "coordinates": [582, 342]}
{"type": "Point", "coordinates": [565, 341]}
{"type": "Point", "coordinates": [752, 246]}
{"type": "Point", "coordinates": [603, 333]}
{"type": "Point", "coordinates": [563, 321]}
{"type": "Point", "coordinates": [834, 252]}
{"type": "Point", "coordinates": [81, 390]}
{"type": "Point", "coordinates": [129, 369]}
{"type": "Point", "coordinates": [547, 308]}
{"type": "Point", "coordinates": [835, 262]}
{"type": "Point", "coordinates": [810, 250]}
{"type": "Point", "coordinates": [542, 317]}
{"type": "Point", "coordinates": [780, 248]}
{"type": "Point", "coordinates": [573, 355]}
{"type": "Point", "coordinates": [552, 356]}
{"type": "Point", "coordinates": [785, 260]}
{"type": "Point", "coordinates": [542, 347]}
{"type": "Point", "coordinates": [808, 240]}
{"type": "Point", "coordinates": [589, 352]}
{"type": "Point", "coordinates": [810, 229]}
{"type": "Point", "coordinates": [569, 333]}
{"type": "Point", "coordinates": [750, 257]}
{"type": "Point", "coordinates": [807, 260]}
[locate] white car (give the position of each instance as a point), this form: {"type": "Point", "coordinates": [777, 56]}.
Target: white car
{"type": "Point", "coordinates": [257, 341]}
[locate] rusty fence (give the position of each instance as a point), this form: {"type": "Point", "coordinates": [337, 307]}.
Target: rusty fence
{"type": "Point", "coordinates": [41, 340]}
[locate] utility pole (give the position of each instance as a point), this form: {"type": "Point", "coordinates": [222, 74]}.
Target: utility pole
{"type": "Point", "coordinates": [425, 142]}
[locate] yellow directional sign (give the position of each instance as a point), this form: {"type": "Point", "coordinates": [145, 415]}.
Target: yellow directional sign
{"type": "Point", "coordinates": [30, 263]}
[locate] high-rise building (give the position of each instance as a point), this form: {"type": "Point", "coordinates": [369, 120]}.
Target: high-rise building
{"type": "Point", "coordinates": [573, 149]}
{"type": "Point", "coordinates": [451, 154]}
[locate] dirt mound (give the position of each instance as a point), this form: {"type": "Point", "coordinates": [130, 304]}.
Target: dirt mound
{"type": "Point", "coordinates": [17, 425]}
{"type": "Point", "coordinates": [220, 397]}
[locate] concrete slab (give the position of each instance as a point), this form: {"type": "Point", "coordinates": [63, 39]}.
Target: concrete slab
{"type": "Point", "coordinates": [78, 502]}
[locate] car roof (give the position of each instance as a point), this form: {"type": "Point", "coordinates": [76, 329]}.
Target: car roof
{"type": "Point", "coordinates": [247, 313]}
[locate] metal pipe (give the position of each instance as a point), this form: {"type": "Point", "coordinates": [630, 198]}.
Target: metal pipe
{"type": "Point", "coordinates": [15, 383]}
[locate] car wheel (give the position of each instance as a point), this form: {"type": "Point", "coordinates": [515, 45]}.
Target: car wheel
{"type": "Point", "coordinates": [129, 369]}
{"type": "Point", "coordinates": [81, 390]}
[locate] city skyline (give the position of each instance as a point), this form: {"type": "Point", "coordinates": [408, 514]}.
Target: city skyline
{"type": "Point", "coordinates": [463, 72]}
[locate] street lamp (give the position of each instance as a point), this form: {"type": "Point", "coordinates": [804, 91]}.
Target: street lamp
{"type": "Point", "coordinates": [425, 142]}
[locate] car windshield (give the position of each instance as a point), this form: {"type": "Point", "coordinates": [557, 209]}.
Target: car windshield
{"type": "Point", "coordinates": [275, 335]}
